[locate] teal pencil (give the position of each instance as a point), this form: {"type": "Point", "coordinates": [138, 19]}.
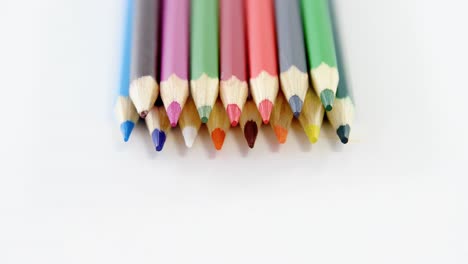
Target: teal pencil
{"type": "Point", "coordinates": [342, 115]}
{"type": "Point", "coordinates": [126, 113]}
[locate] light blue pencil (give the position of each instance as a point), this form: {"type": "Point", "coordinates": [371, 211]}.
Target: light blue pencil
{"type": "Point", "coordinates": [125, 110]}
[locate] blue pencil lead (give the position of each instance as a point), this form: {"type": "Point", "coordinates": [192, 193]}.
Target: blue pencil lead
{"type": "Point", "coordinates": [126, 128]}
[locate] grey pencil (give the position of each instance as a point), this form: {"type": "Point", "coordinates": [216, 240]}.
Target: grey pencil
{"type": "Point", "coordinates": [292, 54]}
{"type": "Point", "coordinates": [143, 87]}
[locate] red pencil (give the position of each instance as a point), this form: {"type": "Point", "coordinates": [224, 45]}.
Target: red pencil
{"type": "Point", "coordinates": [262, 55]}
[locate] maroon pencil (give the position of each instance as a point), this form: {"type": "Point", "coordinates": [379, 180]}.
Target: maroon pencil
{"type": "Point", "coordinates": [233, 86]}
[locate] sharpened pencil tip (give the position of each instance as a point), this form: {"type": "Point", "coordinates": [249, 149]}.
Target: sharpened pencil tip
{"type": "Point", "coordinates": [313, 133]}
{"type": "Point", "coordinates": [265, 107]}
{"type": "Point", "coordinates": [144, 114]}
{"type": "Point", "coordinates": [190, 134]}
{"type": "Point", "coordinates": [159, 138]}
{"type": "Point", "coordinates": [250, 133]}
{"type": "Point", "coordinates": [327, 97]}
{"type": "Point", "coordinates": [218, 136]}
{"type": "Point", "coordinates": [126, 128]}
{"type": "Point", "coordinates": [343, 133]}
{"type": "Point", "coordinates": [296, 105]}
{"type": "Point", "coordinates": [234, 113]}
{"type": "Point", "coordinates": [204, 112]}
{"type": "Point", "coordinates": [281, 134]}
{"type": "Point", "coordinates": [173, 113]}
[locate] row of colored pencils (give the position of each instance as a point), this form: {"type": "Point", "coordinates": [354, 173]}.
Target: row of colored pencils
{"type": "Point", "coordinates": [201, 48]}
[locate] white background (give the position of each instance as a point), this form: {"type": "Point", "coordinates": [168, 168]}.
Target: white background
{"type": "Point", "coordinates": [71, 192]}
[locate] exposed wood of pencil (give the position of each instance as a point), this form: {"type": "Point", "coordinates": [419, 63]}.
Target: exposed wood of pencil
{"type": "Point", "coordinates": [158, 126]}
{"type": "Point", "coordinates": [234, 93]}
{"type": "Point", "coordinates": [204, 93]}
{"type": "Point", "coordinates": [294, 84]}
{"type": "Point", "coordinates": [250, 122]}
{"type": "Point", "coordinates": [189, 122]}
{"type": "Point", "coordinates": [312, 116]}
{"type": "Point", "coordinates": [218, 125]}
{"type": "Point", "coordinates": [281, 118]}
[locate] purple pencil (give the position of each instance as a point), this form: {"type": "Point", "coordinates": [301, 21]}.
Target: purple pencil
{"type": "Point", "coordinates": [175, 43]}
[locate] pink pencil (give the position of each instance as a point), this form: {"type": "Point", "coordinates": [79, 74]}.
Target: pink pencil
{"type": "Point", "coordinates": [263, 62]}
{"type": "Point", "coordinates": [233, 86]}
{"type": "Point", "coordinates": [175, 42]}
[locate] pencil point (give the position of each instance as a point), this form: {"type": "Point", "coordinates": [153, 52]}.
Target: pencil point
{"type": "Point", "coordinates": [296, 105]}
{"type": "Point", "coordinates": [218, 136]}
{"type": "Point", "coordinates": [343, 133]}
{"type": "Point", "coordinates": [159, 138]}
{"type": "Point", "coordinates": [281, 134]}
{"type": "Point", "coordinates": [190, 134]}
{"type": "Point", "coordinates": [250, 133]}
{"type": "Point", "coordinates": [313, 133]}
{"type": "Point", "coordinates": [143, 114]}
{"type": "Point", "coordinates": [126, 129]}
{"type": "Point", "coordinates": [204, 112]}
{"type": "Point", "coordinates": [327, 97]}
{"type": "Point", "coordinates": [265, 108]}
{"type": "Point", "coordinates": [173, 112]}
{"type": "Point", "coordinates": [234, 113]}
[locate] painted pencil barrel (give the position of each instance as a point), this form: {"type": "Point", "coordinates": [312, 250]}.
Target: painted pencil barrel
{"type": "Point", "coordinates": [175, 56]}
{"type": "Point", "coordinates": [262, 54]}
{"type": "Point", "coordinates": [233, 64]}
{"type": "Point", "coordinates": [204, 68]}
{"type": "Point", "coordinates": [292, 56]}
{"type": "Point", "coordinates": [144, 88]}
{"type": "Point", "coordinates": [320, 47]}
{"type": "Point", "coordinates": [124, 108]}
{"type": "Point", "coordinates": [342, 115]}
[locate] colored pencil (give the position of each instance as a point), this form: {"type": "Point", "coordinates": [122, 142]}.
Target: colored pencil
{"type": "Point", "coordinates": [204, 68]}
{"type": "Point", "coordinates": [312, 116]}
{"type": "Point", "coordinates": [233, 64]}
{"type": "Point", "coordinates": [218, 125]}
{"type": "Point", "coordinates": [126, 113]}
{"type": "Point", "coordinates": [250, 122]}
{"type": "Point", "coordinates": [320, 47]}
{"type": "Point", "coordinates": [262, 55]}
{"type": "Point", "coordinates": [294, 76]}
{"type": "Point", "coordinates": [143, 87]}
{"type": "Point", "coordinates": [158, 126]}
{"type": "Point", "coordinates": [281, 118]}
{"type": "Point", "coordinates": [175, 57]}
{"type": "Point", "coordinates": [342, 115]}
{"type": "Point", "coordinates": [189, 122]}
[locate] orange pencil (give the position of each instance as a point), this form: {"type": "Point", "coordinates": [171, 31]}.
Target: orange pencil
{"type": "Point", "coordinates": [261, 43]}
{"type": "Point", "coordinates": [218, 124]}
{"type": "Point", "coordinates": [281, 118]}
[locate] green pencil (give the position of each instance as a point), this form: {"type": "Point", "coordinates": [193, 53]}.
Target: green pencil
{"type": "Point", "coordinates": [204, 65]}
{"type": "Point", "coordinates": [320, 48]}
{"type": "Point", "coordinates": [342, 115]}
